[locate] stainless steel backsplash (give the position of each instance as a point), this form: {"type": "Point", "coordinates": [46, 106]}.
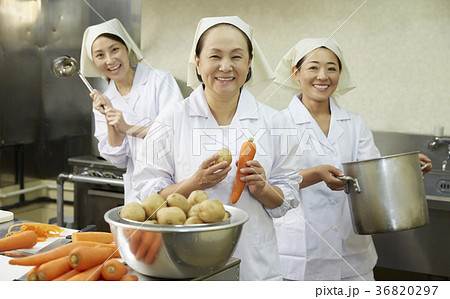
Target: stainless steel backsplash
{"type": "Point", "coordinates": [51, 116]}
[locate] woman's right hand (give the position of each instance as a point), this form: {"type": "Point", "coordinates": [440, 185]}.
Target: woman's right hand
{"type": "Point", "coordinates": [329, 176]}
{"type": "Point", "coordinates": [100, 101]}
{"type": "Point", "coordinates": [208, 174]}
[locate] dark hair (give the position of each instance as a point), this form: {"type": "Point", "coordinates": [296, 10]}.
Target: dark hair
{"type": "Point", "coordinates": [301, 61]}
{"type": "Point", "coordinates": [199, 48]}
{"type": "Point", "coordinates": [114, 37]}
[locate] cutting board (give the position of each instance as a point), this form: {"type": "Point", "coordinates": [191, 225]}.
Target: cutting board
{"type": "Point", "coordinates": [6, 216]}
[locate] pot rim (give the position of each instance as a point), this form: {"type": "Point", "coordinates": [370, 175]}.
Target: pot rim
{"type": "Point", "coordinates": [383, 158]}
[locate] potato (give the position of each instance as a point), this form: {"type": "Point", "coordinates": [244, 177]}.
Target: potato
{"type": "Point", "coordinates": [133, 211]}
{"type": "Point", "coordinates": [151, 222]}
{"type": "Point", "coordinates": [152, 204]}
{"type": "Point", "coordinates": [193, 220]}
{"type": "Point", "coordinates": [225, 217]}
{"type": "Point", "coordinates": [211, 210]}
{"type": "Point", "coordinates": [178, 200]}
{"type": "Point", "coordinates": [194, 210]}
{"type": "Point", "coordinates": [171, 215]}
{"type": "Point", "coordinates": [196, 197]}
{"type": "Point", "coordinates": [225, 155]}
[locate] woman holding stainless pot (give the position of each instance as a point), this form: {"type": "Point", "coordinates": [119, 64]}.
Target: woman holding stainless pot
{"type": "Point", "coordinates": [134, 97]}
{"type": "Point", "coordinates": [316, 240]}
{"type": "Point", "coordinates": [221, 112]}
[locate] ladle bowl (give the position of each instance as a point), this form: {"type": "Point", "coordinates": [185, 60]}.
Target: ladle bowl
{"type": "Point", "coordinates": [66, 66]}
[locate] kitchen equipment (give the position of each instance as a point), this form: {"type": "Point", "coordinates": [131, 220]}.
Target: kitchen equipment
{"type": "Point", "coordinates": [386, 194]}
{"type": "Point", "coordinates": [184, 251]}
{"type": "Point", "coordinates": [6, 216]}
{"type": "Point", "coordinates": [66, 66]}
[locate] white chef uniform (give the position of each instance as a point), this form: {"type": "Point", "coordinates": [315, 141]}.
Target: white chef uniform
{"type": "Point", "coordinates": [152, 90]}
{"type": "Point", "coordinates": [182, 138]}
{"type": "Point", "coordinates": [316, 240]}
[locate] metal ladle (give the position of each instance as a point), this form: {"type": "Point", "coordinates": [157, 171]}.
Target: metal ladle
{"type": "Point", "coordinates": [65, 66]}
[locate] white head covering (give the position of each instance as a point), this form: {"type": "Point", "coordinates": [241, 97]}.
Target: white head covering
{"type": "Point", "coordinates": [261, 70]}
{"type": "Point", "coordinates": [283, 72]}
{"type": "Point", "coordinates": [87, 66]}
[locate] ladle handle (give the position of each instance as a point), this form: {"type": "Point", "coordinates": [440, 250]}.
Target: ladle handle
{"type": "Point", "coordinates": [86, 82]}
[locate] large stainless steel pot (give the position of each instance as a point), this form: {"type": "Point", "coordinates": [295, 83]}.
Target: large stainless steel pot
{"type": "Point", "coordinates": [386, 194]}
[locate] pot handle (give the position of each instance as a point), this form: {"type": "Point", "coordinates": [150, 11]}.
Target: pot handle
{"type": "Point", "coordinates": [349, 179]}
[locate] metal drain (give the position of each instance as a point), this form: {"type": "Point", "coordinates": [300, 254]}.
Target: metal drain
{"type": "Point", "coordinates": [443, 186]}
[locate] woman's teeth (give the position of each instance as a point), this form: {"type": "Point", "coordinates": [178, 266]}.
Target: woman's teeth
{"type": "Point", "coordinates": [225, 79]}
{"type": "Point", "coordinates": [114, 68]}
{"type": "Point", "coordinates": [320, 86]}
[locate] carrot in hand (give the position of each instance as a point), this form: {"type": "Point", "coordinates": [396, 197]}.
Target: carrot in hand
{"type": "Point", "coordinates": [113, 270]}
{"type": "Point", "coordinates": [247, 153]}
{"type": "Point", "coordinates": [52, 269]}
{"type": "Point", "coordinates": [26, 239]}
{"type": "Point", "coordinates": [90, 274]}
{"type": "Point", "coordinates": [100, 237]}
{"type": "Point", "coordinates": [83, 257]}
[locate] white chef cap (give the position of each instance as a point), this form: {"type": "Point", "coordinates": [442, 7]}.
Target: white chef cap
{"type": "Point", "coordinates": [87, 66]}
{"type": "Point", "coordinates": [261, 70]}
{"type": "Point", "coordinates": [283, 72]}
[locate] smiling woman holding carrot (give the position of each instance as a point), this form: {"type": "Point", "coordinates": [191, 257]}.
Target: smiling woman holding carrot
{"type": "Point", "coordinates": [221, 112]}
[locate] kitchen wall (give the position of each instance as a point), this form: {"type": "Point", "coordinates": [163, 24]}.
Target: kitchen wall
{"type": "Point", "coordinates": [398, 50]}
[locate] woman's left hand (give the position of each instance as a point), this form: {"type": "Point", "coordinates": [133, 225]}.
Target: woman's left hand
{"type": "Point", "coordinates": [424, 160]}
{"type": "Point", "coordinates": [255, 178]}
{"type": "Point", "coordinates": [115, 118]}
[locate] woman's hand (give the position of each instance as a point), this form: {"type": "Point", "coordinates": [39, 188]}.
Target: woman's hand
{"type": "Point", "coordinates": [255, 178]}
{"type": "Point", "coordinates": [100, 101]}
{"type": "Point", "coordinates": [329, 176]}
{"type": "Point", "coordinates": [115, 119]}
{"type": "Point", "coordinates": [424, 160]}
{"type": "Point", "coordinates": [208, 174]}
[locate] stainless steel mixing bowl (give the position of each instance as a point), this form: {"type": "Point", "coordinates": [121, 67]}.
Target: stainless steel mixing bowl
{"type": "Point", "coordinates": [176, 251]}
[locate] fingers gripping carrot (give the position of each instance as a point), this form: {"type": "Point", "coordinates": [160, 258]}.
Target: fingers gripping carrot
{"type": "Point", "coordinates": [26, 239]}
{"type": "Point", "coordinates": [247, 153]}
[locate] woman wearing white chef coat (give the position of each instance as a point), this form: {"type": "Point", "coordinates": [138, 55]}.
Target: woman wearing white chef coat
{"type": "Point", "coordinates": [316, 240]}
{"type": "Point", "coordinates": [134, 97]}
{"type": "Point", "coordinates": [221, 112]}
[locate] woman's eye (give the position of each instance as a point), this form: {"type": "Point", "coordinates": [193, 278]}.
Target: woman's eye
{"type": "Point", "coordinates": [313, 67]}
{"type": "Point", "coordinates": [332, 69]}
{"type": "Point", "coordinates": [214, 56]}
{"type": "Point", "coordinates": [99, 56]}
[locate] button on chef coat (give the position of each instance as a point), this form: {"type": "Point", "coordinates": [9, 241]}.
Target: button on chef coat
{"type": "Point", "coordinates": [188, 134]}
{"type": "Point", "coordinates": [323, 218]}
{"type": "Point", "coordinates": [152, 90]}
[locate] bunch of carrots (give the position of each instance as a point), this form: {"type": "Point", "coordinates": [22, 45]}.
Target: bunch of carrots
{"type": "Point", "coordinates": [90, 256]}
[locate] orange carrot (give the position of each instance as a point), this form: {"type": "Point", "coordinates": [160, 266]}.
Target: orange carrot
{"type": "Point", "coordinates": [33, 274]}
{"type": "Point", "coordinates": [26, 239]}
{"type": "Point", "coordinates": [84, 257]}
{"type": "Point", "coordinates": [37, 259]}
{"type": "Point", "coordinates": [247, 153]}
{"type": "Point", "coordinates": [52, 269]}
{"type": "Point", "coordinates": [129, 278]}
{"type": "Point", "coordinates": [100, 237]}
{"type": "Point", "coordinates": [90, 274]}
{"type": "Point", "coordinates": [64, 250]}
{"type": "Point", "coordinates": [134, 237]}
{"type": "Point", "coordinates": [113, 270]}
{"type": "Point", "coordinates": [67, 275]}
{"type": "Point", "coordinates": [146, 242]}
{"type": "Point", "coordinates": [153, 248]}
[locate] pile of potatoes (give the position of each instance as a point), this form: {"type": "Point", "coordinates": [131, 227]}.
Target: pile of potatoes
{"type": "Point", "coordinates": [177, 210]}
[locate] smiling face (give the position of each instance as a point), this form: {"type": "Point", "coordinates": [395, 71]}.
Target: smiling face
{"type": "Point", "coordinates": [223, 61]}
{"type": "Point", "coordinates": [111, 58]}
{"type": "Point", "coordinates": [318, 75]}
